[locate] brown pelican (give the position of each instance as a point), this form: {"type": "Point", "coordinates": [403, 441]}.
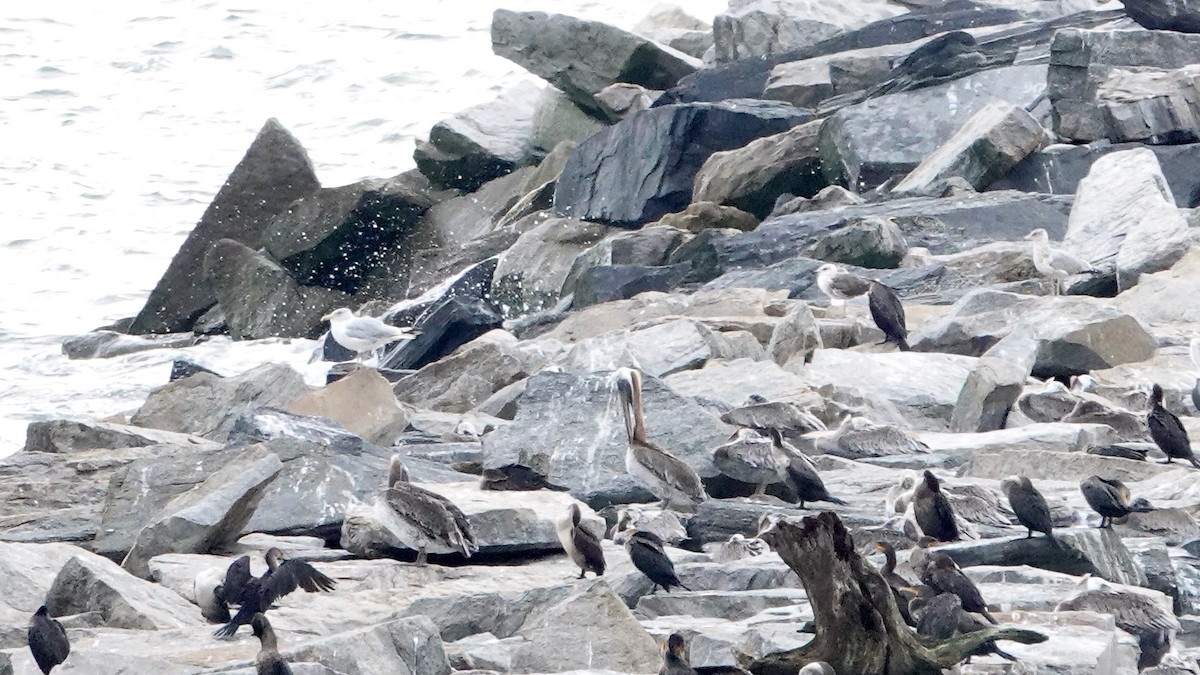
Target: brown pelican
{"type": "Point", "coordinates": [646, 552]}
{"type": "Point", "coordinates": [47, 640]}
{"type": "Point", "coordinates": [886, 309]}
{"type": "Point", "coordinates": [1054, 264]}
{"type": "Point", "coordinates": [782, 415]}
{"type": "Point", "coordinates": [1091, 409]}
{"type": "Point", "coordinates": [1167, 431]}
{"type": "Point", "coordinates": [427, 518]}
{"type": "Point", "coordinates": [1135, 613]}
{"type": "Point", "coordinates": [737, 548]}
{"type": "Point", "coordinates": [663, 474]}
{"type": "Point", "coordinates": [675, 661]}
{"type": "Point", "coordinates": [268, 661]}
{"type": "Point", "coordinates": [748, 457]}
{"type": "Point", "coordinates": [944, 576]}
{"type": "Point", "coordinates": [859, 437]}
{"type": "Point", "coordinates": [257, 595]}
{"type": "Point", "coordinates": [362, 334]}
{"type": "Point", "coordinates": [516, 477]}
{"type": "Point", "coordinates": [932, 510]}
{"type": "Point", "coordinates": [800, 474]}
{"type": "Point", "coordinates": [1110, 498]}
{"type": "Point", "coordinates": [581, 544]}
{"type": "Point", "coordinates": [1028, 504]}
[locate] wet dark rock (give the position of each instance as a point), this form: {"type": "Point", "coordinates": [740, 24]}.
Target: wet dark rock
{"type": "Point", "coordinates": [870, 242]}
{"type": "Point", "coordinates": [530, 275]}
{"type": "Point", "coordinates": [1078, 551]}
{"type": "Point", "coordinates": [445, 327]}
{"type": "Point", "coordinates": [69, 436]}
{"type": "Point", "coordinates": [181, 368]}
{"type": "Point", "coordinates": [104, 344]}
{"type": "Point", "coordinates": [617, 282]}
{"type": "Point", "coordinates": [1175, 15]}
{"type": "Point", "coordinates": [617, 175]}
{"type": "Point", "coordinates": [275, 172]}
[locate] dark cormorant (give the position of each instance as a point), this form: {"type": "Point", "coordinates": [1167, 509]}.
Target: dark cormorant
{"type": "Point", "coordinates": [666, 476]}
{"type": "Point", "coordinates": [516, 477]}
{"type": "Point", "coordinates": [268, 661]}
{"type": "Point", "coordinates": [1136, 614]}
{"type": "Point", "coordinates": [1028, 504]}
{"type": "Point", "coordinates": [647, 554]}
{"type": "Point", "coordinates": [47, 640]}
{"type": "Point", "coordinates": [933, 512]}
{"type": "Point", "coordinates": [427, 517]}
{"type": "Point", "coordinates": [800, 475]}
{"type": "Point", "coordinates": [1167, 431]}
{"type": "Point", "coordinates": [257, 595]}
{"type": "Point", "coordinates": [888, 313]}
{"type": "Point", "coordinates": [675, 661]}
{"type": "Point", "coordinates": [942, 617]}
{"type": "Point", "coordinates": [1110, 498]}
{"type": "Point", "coordinates": [900, 586]}
{"type": "Point", "coordinates": [581, 544]}
{"type": "Point", "coordinates": [944, 576]}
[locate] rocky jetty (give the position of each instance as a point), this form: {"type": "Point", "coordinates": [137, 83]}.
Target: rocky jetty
{"type": "Point", "coordinates": [662, 202]}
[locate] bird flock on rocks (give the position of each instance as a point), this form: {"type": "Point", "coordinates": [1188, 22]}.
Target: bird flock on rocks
{"type": "Point", "coordinates": [936, 599]}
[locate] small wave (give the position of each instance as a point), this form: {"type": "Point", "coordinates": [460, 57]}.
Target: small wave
{"type": "Point", "coordinates": [219, 52]}
{"type": "Point", "coordinates": [406, 35]}
{"type": "Point", "coordinates": [51, 71]}
{"type": "Point", "coordinates": [51, 93]}
{"type": "Point", "coordinates": [145, 19]}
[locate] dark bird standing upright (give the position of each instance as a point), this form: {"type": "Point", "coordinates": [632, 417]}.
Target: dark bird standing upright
{"type": "Point", "coordinates": [268, 661]}
{"type": "Point", "coordinates": [676, 662]}
{"type": "Point", "coordinates": [257, 595]}
{"type": "Point", "coordinates": [944, 576]}
{"type": "Point", "coordinates": [1110, 498]}
{"type": "Point", "coordinates": [581, 544]}
{"type": "Point", "coordinates": [47, 640]}
{"type": "Point", "coordinates": [1028, 504]}
{"type": "Point", "coordinates": [799, 473]}
{"type": "Point", "coordinates": [901, 588]}
{"type": "Point", "coordinates": [888, 313]}
{"type": "Point", "coordinates": [932, 510]}
{"type": "Point", "coordinates": [1167, 431]}
{"type": "Point", "coordinates": [647, 554]}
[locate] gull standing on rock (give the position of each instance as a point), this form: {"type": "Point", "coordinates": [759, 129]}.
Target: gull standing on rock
{"type": "Point", "coordinates": [663, 474]}
{"type": "Point", "coordinates": [886, 309]}
{"type": "Point", "coordinates": [362, 333]}
{"type": "Point", "coordinates": [1054, 264]}
{"type": "Point", "coordinates": [1167, 431]}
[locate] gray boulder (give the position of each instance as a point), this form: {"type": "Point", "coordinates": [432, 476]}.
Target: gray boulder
{"type": "Point", "coordinates": [583, 57]}
{"type": "Point", "coordinates": [595, 285]}
{"type": "Point", "coordinates": [871, 242]}
{"type": "Point", "coordinates": [619, 100]}
{"type": "Point", "coordinates": [70, 436]}
{"type": "Point", "coordinates": [568, 428]}
{"type": "Point", "coordinates": [531, 274]}
{"type": "Point", "coordinates": [659, 349]}
{"type": "Point", "coordinates": [409, 646]}
{"type": "Point", "coordinates": [260, 299]}
{"type": "Point", "coordinates": [105, 344]}
{"type": "Point", "coordinates": [1167, 296]}
{"type": "Point", "coordinates": [762, 28]}
{"type": "Point", "coordinates": [864, 145]}
{"type": "Point", "coordinates": [1081, 60]}
{"type": "Point", "coordinates": [274, 172]}
{"type": "Point", "coordinates": [1176, 15]}
{"type": "Point", "coordinates": [700, 216]}
{"type": "Point", "coordinates": [208, 406]}
{"type": "Point", "coordinates": [93, 584]}
{"type": "Point", "coordinates": [480, 143]}
{"type": "Point", "coordinates": [468, 376]}
{"type": "Point", "coordinates": [1076, 551]}
{"type": "Point", "coordinates": [644, 166]}
{"type": "Point", "coordinates": [672, 26]}
{"type": "Point", "coordinates": [986, 147]}
{"type": "Point", "coordinates": [796, 336]}
{"type": "Point", "coordinates": [558, 120]}
{"type": "Point", "coordinates": [210, 515]}
{"type": "Point", "coordinates": [1065, 335]}
{"type": "Point", "coordinates": [362, 402]}
{"type": "Point", "coordinates": [988, 395]}
{"type": "Point", "coordinates": [1054, 464]}
{"type": "Point", "coordinates": [1125, 212]}
{"type": "Point", "coordinates": [753, 177]}
{"type": "Point", "coordinates": [1151, 106]}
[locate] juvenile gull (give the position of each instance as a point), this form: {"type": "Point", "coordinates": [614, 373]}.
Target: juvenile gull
{"type": "Point", "coordinates": [1054, 264]}
{"type": "Point", "coordinates": [362, 333]}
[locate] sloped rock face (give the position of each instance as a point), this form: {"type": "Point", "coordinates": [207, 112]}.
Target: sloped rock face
{"type": "Point", "coordinates": [760, 28]}
{"type": "Point", "coordinates": [583, 57]}
{"type": "Point", "coordinates": [644, 166]}
{"type": "Point", "coordinates": [362, 402]}
{"type": "Point", "coordinates": [93, 584]}
{"type": "Point", "coordinates": [1177, 15]}
{"type": "Point", "coordinates": [467, 377]}
{"type": "Point", "coordinates": [569, 429]}
{"type": "Point", "coordinates": [531, 274]}
{"type": "Point", "coordinates": [405, 646]}
{"type": "Point", "coordinates": [69, 436]}
{"type": "Point", "coordinates": [1166, 296]}
{"type": "Point", "coordinates": [275, 172]}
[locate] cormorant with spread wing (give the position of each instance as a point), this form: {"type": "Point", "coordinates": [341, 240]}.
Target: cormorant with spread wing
{"type": "Point", "coordinates": [257, 595]}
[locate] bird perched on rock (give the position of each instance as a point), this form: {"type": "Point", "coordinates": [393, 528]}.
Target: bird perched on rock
{"type": "Point", "coordinates": [1029, 505]}
{"type": "Point", "coordinates": [1139, 615]}
{"type": "Point", "coordinates": [257, 595]}
{"type": "Point", "coordinates": [581, 543]}
{"type": "Point", "coordinates": [1110, 498]}
{"type": "Point", "coordinates": [646, 552]}
{"type": "Point", "coordinates": [932, 509]}
{"type": "Point", "coordinates": [1167, 431]}
{"type": "Point", "coordinates": [943, 575]}
{"type": "Point", "coordinates": [663, 474]}
{"type": "Point", "coordinates": [859, 437]}
{"type": "Point", "coordinates": [901, 587]}
{"type": "Point", "coordinates": [362, 333]}
{"type": "Point", "coordinates": [425, 517]}
{"type": "Point", "coordinates": [515, 477]}
{"type": "Point", "coordinates": [268, 661]}
{"type": "Point", "coordinates": [748, 457]}
{"type": "Point", "coordinates": [886, 309]}
{"type": "Point", "coordinates": [676, 662]}
{"type": "Point", "coordinates": [799, 473]}
{"type": "Point", "coordinates": [737, 548]}
{"type": "Point", "coordinates": [942, 617]}
{"type": "Point", "coordinates": [47, 640]}
{"type": "Point", "coordinates": [1055, 264]}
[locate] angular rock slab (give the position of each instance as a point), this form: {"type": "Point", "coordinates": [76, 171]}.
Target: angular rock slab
{"type": "Point", "coordinates": [762, 28]}
{"type": "Point", "coordinates": [1063, 335]}
{"type": "Point", "coordinates": [208, 406]}
{"type": "Point", "coordinates": [658, 350]}
{"type": "Point", "coordinates": [924, 387]}
{"type": "Point", "coordinates": [1078, 551]}
{"type": "Point", "coordinates": [1124, 211]}
{"type": "Point", "coordinates": [986, 147]}
{"type": "Point", "coordinates": [274, 172]}
{"type": "Point", "coordinates": [408, 646]}
{"type": "Point", "coordinates": [467, 377]}
{"type": "Point", "coordinates": [864, 145]}
{"type": "Point", "coordinates": [570, 429]}
{"type": "Point", "coordinates": [210, 515]}
{"type": "Point", "coordinates": [69, 436]}
{"type": "Point", "coordinates": [362, 402]}
{"type": "Point", "coordinates": [530, 275]}
{"type": "Point", "coordinates": [1150, 106]}
{"type": "Point", "coordinates": [583, 57]}
{"type": "Point", "coordinates": [644, 167]}
{"type": "Point", "coordinates": [1057, 465]}
{"type": "Point", "coordinates": [1177, 15]}
{"type": "Point", "coordinates": [1165, 297]}
{"type": "Point", "coordinates": [988, 395]}
{"type": "Point", "coordinates": [89, 583]}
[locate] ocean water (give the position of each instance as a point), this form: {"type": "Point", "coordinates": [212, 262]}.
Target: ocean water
{"type": "Point", "coordinates": [119, 121]}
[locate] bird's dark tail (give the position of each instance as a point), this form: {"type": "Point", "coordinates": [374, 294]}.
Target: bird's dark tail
{"type": "Point", "coordinates": [241, 618]}
{"type": "Point", "coordinates": [1001, 653]}
{"type": "Point", "coordinates": [1195, 462]}
{"type": "Point", "coordinates": [902, 343]}
{"type": "Point", "coordinates": [835, 500]}
{"type": "Point", "coordinates": [988, 615]}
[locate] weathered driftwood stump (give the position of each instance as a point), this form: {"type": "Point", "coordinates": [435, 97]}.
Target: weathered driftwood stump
{"type": "Point", "coordinates": [859, 630]}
